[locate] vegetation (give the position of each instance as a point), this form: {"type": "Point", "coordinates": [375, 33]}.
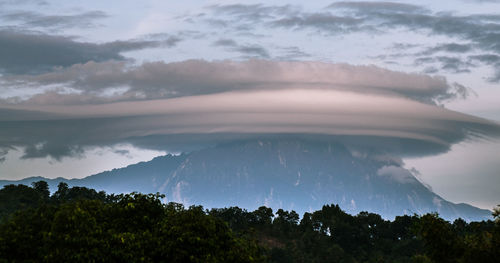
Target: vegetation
{"type": "Point", "coordinates": [82, 225]}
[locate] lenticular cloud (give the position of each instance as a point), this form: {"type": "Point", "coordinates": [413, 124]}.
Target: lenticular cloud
{"type": "Point", "coordinates": [165, 105]}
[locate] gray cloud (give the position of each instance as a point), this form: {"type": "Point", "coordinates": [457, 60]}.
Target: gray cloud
{"type": "Point", "coordinates": [450, 64]}
{"type": "Point", "coordinates": [449, 47]}
{"type": "Point", "coordinates": [22, 2]}
{"type": "Point", "coordinates": [489, 59]}
{"type": "Point", "coordinates": [32, 19]}
{"type": "Point", "coordinates": [321, 21]}
{"type": "Point", "coordinates": [480, 31]}
{"type": "Point", "coordinates": [482, 1]}
{"type": "Point", "coordinates": [247, 17]}
{"type": "Point", "coordinates": [34, 53]}
{"type": "Point", "coordinates": [122, 152]}
{"type": "Point", "coordinates": [454, 64]}
{"type": "Point", "coordinates": [403, 46]}
{"type": "Point", "coordinates": [3, 153]}
{"type": "Point", "coordinates": [496, 75]}
{"type": "Point", "coordinates": [292, 53]}
{"type": "Point", "coordinates": [248, 51]}
{"type": "Point", "coordinates": [361, 121]}
{"type": "Point", "coordinates": [492, 60]}
{"type": "Point", "coordinates": [380, 7]}
{"type": "Point", "coordinates": [225, 43]}
{"type": "Point", "coordinates": [55, 150]}
{"type": "Point", "coordinates": [207, 102]}
{"type": "Point", "coordinates": [257, 51]}
{"type": "Point", "coordinates": [196, 77]}
{"type": "Point", "coordinates": [244, 18]}
{"type": "Point", "coordinates": [253, 13]}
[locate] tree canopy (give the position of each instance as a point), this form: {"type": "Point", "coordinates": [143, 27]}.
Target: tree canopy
{"type": "Point", "coordinates": [82, 225]}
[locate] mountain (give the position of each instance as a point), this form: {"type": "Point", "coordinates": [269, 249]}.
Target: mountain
{"type": "Point", "coordinates": [289, 174]}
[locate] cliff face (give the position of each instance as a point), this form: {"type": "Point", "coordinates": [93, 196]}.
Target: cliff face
{"type": "Point", "coordinates": [288, 174]}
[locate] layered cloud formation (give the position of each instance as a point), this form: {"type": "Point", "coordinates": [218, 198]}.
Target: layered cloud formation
{"type": "Point", "coordinates": [116, 81]}
{"type": "Point", "coordinates": [177, 106]}
{"type": "Point", "coordinates": [24, 52]}
{"type": "Point", "coordinates": [475, 37]}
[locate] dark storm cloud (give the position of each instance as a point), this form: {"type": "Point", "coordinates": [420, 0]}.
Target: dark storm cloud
{"type": "Point", "coordinates": [33, 53]}
{"type": "Point", "coordinates": [32, 19]}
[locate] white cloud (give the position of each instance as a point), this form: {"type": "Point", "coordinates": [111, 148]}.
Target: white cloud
{"type": "Point", "coordinates": [397, 173]}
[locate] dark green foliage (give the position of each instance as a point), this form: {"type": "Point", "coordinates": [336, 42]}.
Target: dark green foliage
{"type": "Point", "coordinates": [17, 197]}
{"type": "Point", "coordinates": [439, 239]}
{"type": "Point", "coordinates": [42, 188]}
{"type": "Point", "coordinates": [458, 242]}
{"type": "Point", "coordinates": [82, 225]}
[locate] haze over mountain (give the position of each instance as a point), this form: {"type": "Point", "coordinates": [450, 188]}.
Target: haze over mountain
{"type": "Point", "coordinates": [292, 174]}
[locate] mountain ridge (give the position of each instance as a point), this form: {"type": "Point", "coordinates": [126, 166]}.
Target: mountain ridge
{"type": "Point", "coordinates": [290, 174]}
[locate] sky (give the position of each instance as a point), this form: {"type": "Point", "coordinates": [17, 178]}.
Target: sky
{"type": "Point", "coordinates": [95, 85]}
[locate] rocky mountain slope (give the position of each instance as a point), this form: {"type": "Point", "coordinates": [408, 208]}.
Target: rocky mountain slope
{"type": "Point", "coordinates": [289, 174]}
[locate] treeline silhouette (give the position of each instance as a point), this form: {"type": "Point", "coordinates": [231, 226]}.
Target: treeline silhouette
{"type": "Point", "coordinates": [79, 224]}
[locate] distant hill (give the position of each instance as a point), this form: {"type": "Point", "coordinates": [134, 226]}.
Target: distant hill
{"type": "Point", "coordinates": [289, 174]}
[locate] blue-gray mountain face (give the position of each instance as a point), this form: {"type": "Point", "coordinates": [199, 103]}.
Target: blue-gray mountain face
{"type": "Point", "coordinates": [288, 174]}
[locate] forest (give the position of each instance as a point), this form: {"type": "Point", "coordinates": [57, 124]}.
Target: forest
{"type": "Point", "coordinates": [79, 224]}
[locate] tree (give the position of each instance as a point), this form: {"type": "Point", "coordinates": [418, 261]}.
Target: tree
{"type": "Point", "coordinates": [42, 188]}
{"type": "Point", "coordinates": [82, 225]}
{"type": "Point", "coordinates": [133, 228]}
{"type": "Point", "coordinates": [62, 191]}
{"type": "Point", "coordinates": [263, 215]}
{"type": "Point", "coordinates": [440, 242]}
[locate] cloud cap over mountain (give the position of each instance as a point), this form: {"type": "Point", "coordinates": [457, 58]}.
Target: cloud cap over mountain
{"type": "Point", "coordinates": [165, 105]}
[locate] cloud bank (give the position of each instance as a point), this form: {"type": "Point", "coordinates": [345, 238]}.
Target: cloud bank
{"type": "Point", "coordinates": [180, 106]}
{"type": "Point", "coordinates": [94, 82]}
{"type": "Point", "coordinates": [477, 33]}
{"type": "Point", "coordinates": [26, 52]}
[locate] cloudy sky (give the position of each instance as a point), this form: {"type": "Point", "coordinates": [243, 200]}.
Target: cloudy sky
{"type": "Point", "coordinates": [87, 87]}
